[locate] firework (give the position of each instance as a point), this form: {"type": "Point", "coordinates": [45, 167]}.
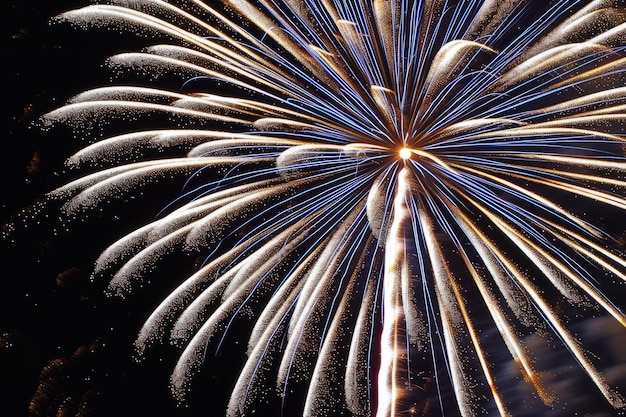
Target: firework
{"type": "Point", "coordinates": [371, 187]}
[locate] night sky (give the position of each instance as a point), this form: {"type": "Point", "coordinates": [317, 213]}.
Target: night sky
{"type": "Point", "coordinates": [65, 346]}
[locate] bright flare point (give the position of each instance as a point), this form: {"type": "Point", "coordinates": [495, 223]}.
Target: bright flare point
{"type": "Point", "coordinates": [405, 153]}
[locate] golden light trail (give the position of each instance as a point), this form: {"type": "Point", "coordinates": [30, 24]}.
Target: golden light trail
{"type": "Point", "coordinates": [393, 349]}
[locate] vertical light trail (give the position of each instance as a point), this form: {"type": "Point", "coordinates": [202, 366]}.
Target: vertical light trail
{"type": "Point", "coordinates": [393, 343]}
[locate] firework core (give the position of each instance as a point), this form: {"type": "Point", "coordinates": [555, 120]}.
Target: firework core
{"type": "Point", "coordinates": [405, 153]}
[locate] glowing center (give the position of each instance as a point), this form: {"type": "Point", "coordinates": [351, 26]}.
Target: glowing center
{"type": "Point", "coordinates": [405, 153]}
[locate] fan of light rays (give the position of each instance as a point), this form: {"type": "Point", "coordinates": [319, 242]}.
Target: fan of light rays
{"type": "Point", "coordinates": [387, 179]}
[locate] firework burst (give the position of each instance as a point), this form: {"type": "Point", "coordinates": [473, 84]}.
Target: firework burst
{"type": "Point", "coordinates": [372, 185]}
